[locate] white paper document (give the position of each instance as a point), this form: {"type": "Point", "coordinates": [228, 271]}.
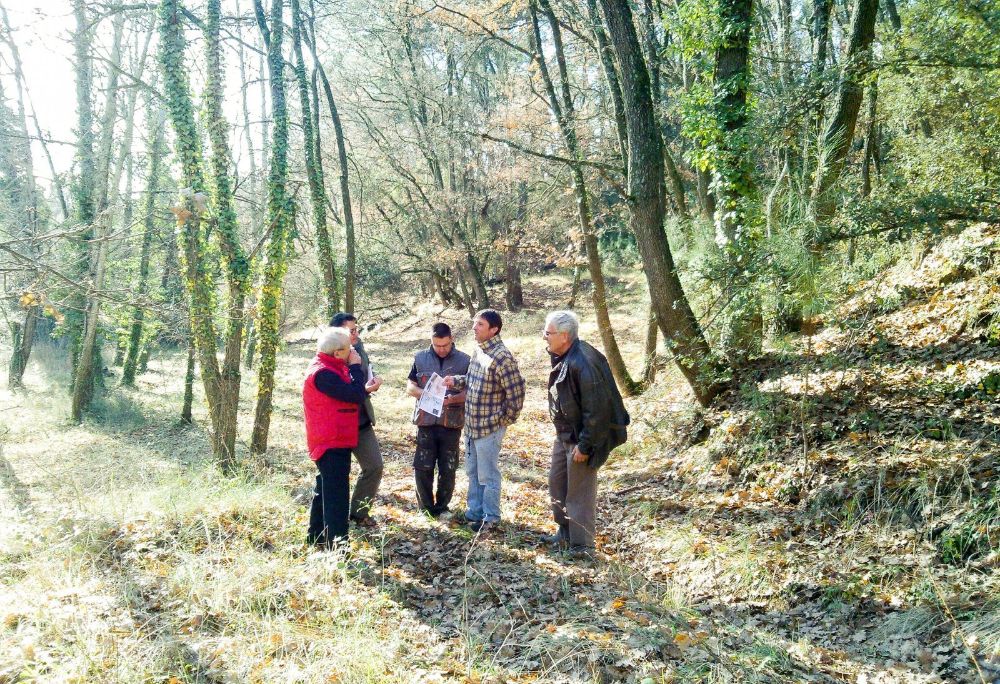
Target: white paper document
{"type": "Point", "coordinates": [432, 400]}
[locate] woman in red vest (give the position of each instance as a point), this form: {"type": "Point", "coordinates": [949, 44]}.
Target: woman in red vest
{"type": "Point", "coordinates": [334, 387]}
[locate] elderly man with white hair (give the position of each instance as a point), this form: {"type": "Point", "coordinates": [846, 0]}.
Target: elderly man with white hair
{"type": "Point", "coordinates": [590, 419]}
{"type": "Point", "coordinates": [333, 390]}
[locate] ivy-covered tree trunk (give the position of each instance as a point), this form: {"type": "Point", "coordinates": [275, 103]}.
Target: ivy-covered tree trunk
{"type": "Point", "coordinates": [733, 168]}
{"type": "Point", "coordinates": [742, 326]}
{"type": "Point", "coordinates": [191, 207]}
{"type": "Point", "coordinates": [280, 216]}
{"type": "Point", "coordinates": [314, 172]}
{"type": "Point", "coordinates": [156, 118]}
{"type": "Point", "coordinates": [562, 108]}
{"type": "Point", "coordinates": [226, 229]}
{"type": "Point", "coordinates": [681, 332]}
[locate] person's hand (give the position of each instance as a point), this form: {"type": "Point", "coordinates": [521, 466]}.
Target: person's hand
{"type": "Point", "coordinates": [354, 358]}
{"type": "Point", "coordinates": [373, 385]}
{"type": "Point", "coordinates": [579, 456]}
{"type": "Point", "coordinates": [449, 381]}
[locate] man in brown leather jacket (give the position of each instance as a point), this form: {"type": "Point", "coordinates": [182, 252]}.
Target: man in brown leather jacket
{"type": "Point", "coordinates": [590, 419]}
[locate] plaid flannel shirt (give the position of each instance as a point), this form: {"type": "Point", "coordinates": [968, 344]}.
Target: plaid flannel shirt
{"type": "Point", "coordinates": [495, 389]}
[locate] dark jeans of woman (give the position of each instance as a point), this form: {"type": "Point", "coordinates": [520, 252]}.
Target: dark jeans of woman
{"type": "Point", "coordinates": [332, 502]}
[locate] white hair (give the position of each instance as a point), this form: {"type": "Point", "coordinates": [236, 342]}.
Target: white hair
{"type": "Point", "coordinates": [333, 339]}
{"type": "Point", "coordinates": [564, 321]}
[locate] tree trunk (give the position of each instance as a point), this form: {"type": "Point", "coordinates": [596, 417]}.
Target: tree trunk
{"type": "Point", "coordinates": [90, 353]}
{"type": "Point", "coordinates": [677, 321]}
{"type": "Point", "coordinates": [867, 155]}
{"type": "Point", "coordinates": [350, 264]}
{"type": "Point", "coordinates": [649, 367]}
{"type": "Point", "coordinates": [280, 220]}
{"type": "Point", "coordinates": [563, 110]}
{"type": "Point", "coordinates": [156, 118]}
{"type": "Point", "coordinates": [22, 338]}
{"type": "Point", "coordinates": [314, 172]}
{"type": "Point", "coordinates": [190, 211]}
{"type": "Point", "coordinates": [188, 405]}
{"type": "Point", "coordinates": [515, 290]}
{"type": "Point", "coordinates": [84, 184]}
{"type": "Point", "coordinates": [733, 168]}
{"type": "Point", "coordinates": [606, 54]}
{"type": "Point", "coordinates": [227, 230]}
{"type": "Point", "coordinates": [839, 134]}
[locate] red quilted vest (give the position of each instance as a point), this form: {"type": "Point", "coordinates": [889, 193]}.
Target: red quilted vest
{"type": "Point", "coordinates": [330, 424]}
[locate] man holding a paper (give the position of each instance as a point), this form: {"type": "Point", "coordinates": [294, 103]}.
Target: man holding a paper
{"type": "Point", "coordinates": [439, 416]}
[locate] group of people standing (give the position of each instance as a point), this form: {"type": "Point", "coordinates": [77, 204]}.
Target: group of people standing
{"type": "Point", "coordinates": [484, 396]}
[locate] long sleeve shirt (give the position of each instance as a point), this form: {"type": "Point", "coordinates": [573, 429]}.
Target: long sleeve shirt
{"type": "Point", "coordinates": [330, 384]}
{"type": "Point", "coordinates": [495, 389]}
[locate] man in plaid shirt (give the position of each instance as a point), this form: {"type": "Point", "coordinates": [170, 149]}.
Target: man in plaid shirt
{"type": "Point", "coordinates": [494, 397]}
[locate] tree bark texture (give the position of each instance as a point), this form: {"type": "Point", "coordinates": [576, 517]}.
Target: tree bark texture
{"type": "Point", "coordinates": [237, 264]}
{"type": "Point", "coordinates": [156, 118]}
{"type": "Point", "coordinates": [562, 108]}
{"type": "Point", "coordinates": [839, 133]}
{"type": "Point", "coordinates": [190, 210]}
{"type": "Point", "coordinates": [733, 169]}
{"type": "Point", "coordinates": [350, 256]}
{"type": "Point", "coordinates": [84, 182]}
{"type": "Point", "coordinates": [681, 331]}
{"type": "Point", "coordinates": [314, 171]}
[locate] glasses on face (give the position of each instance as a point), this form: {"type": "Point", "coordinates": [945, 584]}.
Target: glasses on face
{"type": "Point", "coordinates": [549, 333]}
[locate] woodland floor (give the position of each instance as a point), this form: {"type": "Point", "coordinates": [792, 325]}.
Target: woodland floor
{"type": "Point", "coordinates": [833, 520]}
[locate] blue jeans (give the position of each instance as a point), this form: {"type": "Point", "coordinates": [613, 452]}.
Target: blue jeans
{"type": "Point", "coordinates": [482, 457]}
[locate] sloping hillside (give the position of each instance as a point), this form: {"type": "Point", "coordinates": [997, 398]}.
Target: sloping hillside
{"type": "Point", "coordinates": [833, 519]}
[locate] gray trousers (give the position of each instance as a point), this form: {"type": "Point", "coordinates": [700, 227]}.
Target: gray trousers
{"type": "Point", "coordinates": [369, 455]}
{"type": "Point", "coordinates": [573, 490]}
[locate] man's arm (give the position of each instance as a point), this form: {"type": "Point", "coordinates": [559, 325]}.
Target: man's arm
{"type": "Point", "coordinates": [412, 386]}
{"type": "Point", "coordinates": [331, 384]}
{"type": "Point", "coordinates": [413, 389]}
{"type": "Point", "coordinates": [512, 384]}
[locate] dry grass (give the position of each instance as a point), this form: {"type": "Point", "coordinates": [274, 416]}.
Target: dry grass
{"type": "Point", "coordinates": [125, 555]}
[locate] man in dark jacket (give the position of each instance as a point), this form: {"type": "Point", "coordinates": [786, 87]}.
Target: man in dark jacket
{"type": "Point", "coordinates": [590, 419]}
{"type": "Point", "coordinates": [437, 435]}
{"type": "Point", "coordinates": [368, 451]}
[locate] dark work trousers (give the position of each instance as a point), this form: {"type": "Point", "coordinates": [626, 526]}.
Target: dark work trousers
{"type": "Point", "coordinates": [436, 447]}
{"type": "Point", "coordinates": [331, 503]}
{"type": "Point", "coordinates": [573, 488]}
